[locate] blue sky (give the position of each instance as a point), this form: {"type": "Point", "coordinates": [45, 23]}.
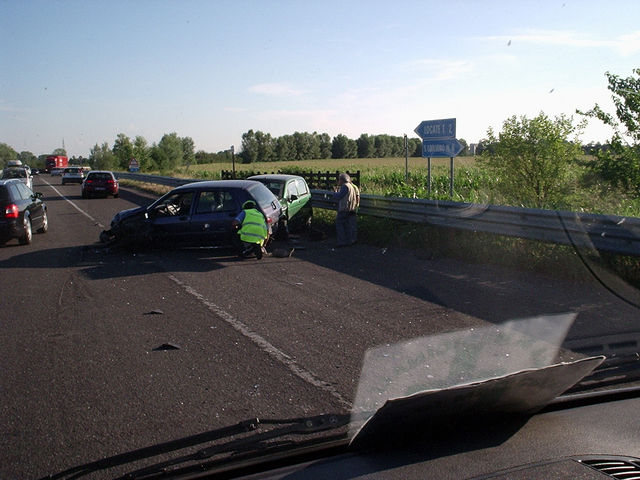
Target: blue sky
{"type": "Point", "coordinates": [84, 71]}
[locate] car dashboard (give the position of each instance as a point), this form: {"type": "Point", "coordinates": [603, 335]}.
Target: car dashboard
{"type": "Point", "coordinates": [586, 437]}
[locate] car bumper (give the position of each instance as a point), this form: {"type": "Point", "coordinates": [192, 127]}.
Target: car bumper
{"type": "Point", "coordinates": [9, 230]}
{"type": "Point", "coordinates": [100, 191]}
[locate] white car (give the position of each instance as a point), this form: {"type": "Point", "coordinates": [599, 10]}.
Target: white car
{"type": "Point", "coordinates": [72, 175]}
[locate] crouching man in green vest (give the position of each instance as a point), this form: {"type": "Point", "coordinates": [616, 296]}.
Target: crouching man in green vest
{"type": "Point", "coordinates": [252, 230]}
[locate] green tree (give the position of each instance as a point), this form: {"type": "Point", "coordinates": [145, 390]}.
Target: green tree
{"type": "Point", "coordinates": [170, 154]}
{"type": "Point", "coordinates": [531, 158]}
{"type": "Point", "coordinates": [59, 151]}
{"type": "Point", "coordinates": [249, 153]}
{"type": "Point", "coordinates": [123, 151]}
{"type": "Point", "coordinates": [102, 157]}
{"type": "Point", "coordinates": [142, 153]}
{"type": "Point", "coordinates": [366, 146]}
{"type": "Point", "coordinates": [27, 158]}
{"type": "Point", "coordinates": [265, 146]}
{"type": "Point", "coordinates": [188, 151]}
{"type": "Point", "coordinates": [6, 153]}
{"type": "Point", "coordinates": [620, 163]}
{"type": "Point", "coordinates": [343, 147]}
{"type": "Point", "coordinates": [415, 147]}
{"type": "Point", "coordinates": [465, 147]}
{"type": "Point", "coordinates": [285, 148]}
{"type": "Point", "coordinates": [325, 145]}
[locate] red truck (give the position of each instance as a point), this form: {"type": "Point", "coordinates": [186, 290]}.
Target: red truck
{"type": "Point", "coordinates": [56, 161]}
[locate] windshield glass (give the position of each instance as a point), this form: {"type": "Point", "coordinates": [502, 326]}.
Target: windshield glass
{"type": "Point", "coordinates": [467, 167]}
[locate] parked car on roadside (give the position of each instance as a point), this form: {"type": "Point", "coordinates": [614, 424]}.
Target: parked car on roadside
{"type": "Point", "coordinates": [196, 214]}
{"type": "Point", "coordinates": [100, 183]}
{"type": "Point", "coordinates": [22, 212]}
{"type": "Point", "coordinates": [72, 175]}
{"type": "Point", "coordinates": [295, 197]}
{"type": "Point", "coordinates": [20, 173]}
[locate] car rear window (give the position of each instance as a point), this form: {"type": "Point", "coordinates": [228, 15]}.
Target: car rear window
{"type": "Point", "coordinates": [262, 195]}
{"type": "Point", "coordinates": [14, 173]}
{"type": "Point", "coordinates": [99, 176]}
{"type": "Point", "coordinates": [273, 185]}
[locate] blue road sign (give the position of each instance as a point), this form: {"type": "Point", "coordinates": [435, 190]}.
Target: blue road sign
{"type": "Point", "coordinates": [446, 147]}
{"type": "Point", "coordinates": [437, 129]}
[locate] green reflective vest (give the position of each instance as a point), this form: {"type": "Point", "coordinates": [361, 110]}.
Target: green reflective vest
{"type": "Point", "coordinates": [254, 228]}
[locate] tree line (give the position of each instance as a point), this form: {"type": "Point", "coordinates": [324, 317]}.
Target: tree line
{"type": "Point", "coordinates": [258, 146]}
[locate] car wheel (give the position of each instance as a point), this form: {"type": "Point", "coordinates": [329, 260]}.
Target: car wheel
{"type": "Point", "coordinates": [115, 195]}
{"type": "Point", "coordinates": [84, 194]}
{"type": "Point", "coordinates": [45, 223]}
{"type": "Point", "coordinates": [27, 236]}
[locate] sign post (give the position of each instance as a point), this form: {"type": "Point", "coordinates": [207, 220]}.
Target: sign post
{"type": "Point", "coordinates": [233, 161]}
{"type": "Point", "coordinates": [439, 140]}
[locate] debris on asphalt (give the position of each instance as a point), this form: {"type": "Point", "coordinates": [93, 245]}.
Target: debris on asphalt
{"type": "Point", "coordinates": [155, 312]}
{"type": "Point", "coordinates": [166, 346]}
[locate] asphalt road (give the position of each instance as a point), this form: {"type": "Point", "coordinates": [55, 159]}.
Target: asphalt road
{"type": "Point", "coordinates": [84, 376]}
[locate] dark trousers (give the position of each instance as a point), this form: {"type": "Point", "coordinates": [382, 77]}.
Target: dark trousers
{"type": "Point", "coordinates": [346, 228]}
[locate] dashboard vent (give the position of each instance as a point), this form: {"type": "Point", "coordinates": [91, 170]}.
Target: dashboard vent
{"type": "Point", "coordinates": [615, 468]}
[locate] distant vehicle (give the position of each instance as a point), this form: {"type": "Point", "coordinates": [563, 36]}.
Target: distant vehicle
{"type": "Point", "coordinates": [56, 161]}
{"type": "Point", "coordinates": [23, 210]}
{"type": "Point", "coordinates": [18, 172]}
{"type": "Point", "coordinates": [72, 175]}
{"type": "Point", "coordinates": [14, 163]}
{"type": "Point", "coordinates": [294, 196]}
{"type": "Point", "coordinates": [100, 182]}
{"type": "Point", "coordinates": [196, 214]}
{"type": "Point", "coordinates": [56, 172]}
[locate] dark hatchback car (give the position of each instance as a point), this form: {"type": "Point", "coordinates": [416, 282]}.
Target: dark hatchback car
{"type": "Point", "coordinates": [23, 211]}
{"type": "Point", "coordinates": [294, 196]}
{"type": "Point", "coordinates": [100, 183]}
{"type": "Point", "coordinates": [196, 214]}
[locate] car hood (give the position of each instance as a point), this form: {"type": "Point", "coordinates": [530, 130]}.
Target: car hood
{"type": "Point", "coordinates": [127, 214]}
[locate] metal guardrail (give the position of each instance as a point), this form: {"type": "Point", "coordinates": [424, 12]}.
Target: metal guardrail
{"type": "Point", "coordinates": [603, 232]}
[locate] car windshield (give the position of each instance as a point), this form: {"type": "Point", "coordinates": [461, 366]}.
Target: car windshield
{"type": "Point", "coordinates": [462, 203]}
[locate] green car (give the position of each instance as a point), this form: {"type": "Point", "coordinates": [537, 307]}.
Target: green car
{"type": "Point", "coordinates": [295, 197]}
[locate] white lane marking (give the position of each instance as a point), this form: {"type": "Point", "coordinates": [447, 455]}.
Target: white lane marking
{"type": "Point", "coordinates": [74, 205]}
{"type": "Point", "coordinates": [265, 346]}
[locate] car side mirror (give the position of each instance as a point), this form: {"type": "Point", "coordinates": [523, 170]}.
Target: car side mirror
{"type": "Point", "coordinates": [37, 195]}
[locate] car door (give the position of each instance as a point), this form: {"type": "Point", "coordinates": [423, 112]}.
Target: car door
{"type": "Point", "coordinates": [211, 222]}
{"type": "Point", "coordinates": [32, 204]}
{"type": "Point", "coordinates": [292, 197]}
{"type": "Point", "coordinates": [170, 220]}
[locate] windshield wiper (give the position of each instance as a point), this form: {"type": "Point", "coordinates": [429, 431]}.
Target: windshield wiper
{"type": "Point", "coordinates": [258, 440]}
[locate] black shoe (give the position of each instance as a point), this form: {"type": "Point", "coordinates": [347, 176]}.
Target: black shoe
{"type": "Point", "coordinates": [258, 251]}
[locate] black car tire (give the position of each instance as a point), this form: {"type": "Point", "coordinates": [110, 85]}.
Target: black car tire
{"type": "Point", "coordinates": [84, 194]}
{"type": "Point", "coordinates": [27, 236]}
{"type": "Point", "coordinates": [45, 223]}
{"type": "Point", "coordinates": [115, 195]}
